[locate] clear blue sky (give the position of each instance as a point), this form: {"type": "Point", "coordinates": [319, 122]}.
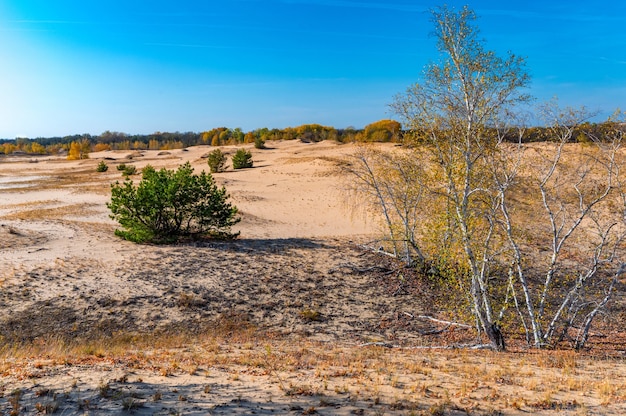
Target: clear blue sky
{"type": "Point", "coordinates": [137, 66]}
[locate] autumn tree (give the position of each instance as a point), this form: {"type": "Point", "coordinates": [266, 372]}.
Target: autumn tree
{"type": "Point", "coordinates": [579, 215]}
{"type": "Point", "coordinates": [79, 150]}
{"type": "Point", "coordinates": [456, 199]}
{"type": "Point", "coordinates": [100, 147]}
{"type": "Point", "coordinates": [450, 113]}
{"type": "Point", "coordinates": [37, 148]}
{"type": "Point", "coordinates": [389, 183]}
{"type": "Point", "coordinates": [382, 131]}
{"type": "Point", "coordinates": [8, 148]}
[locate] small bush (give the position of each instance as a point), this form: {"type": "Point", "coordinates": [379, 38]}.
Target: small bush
{"type": "Point", "coordinates": [127, 170]}
{"type": "Point", "coordinates": [242, 159]}
{"type": "Point", "coordinates": [217, 161]}
{"type": "Point", "coordinates": [259, 143]}
{"type": "Point", "coordinates": [102, 167]}
{"type": "Point", "coordinates": [167, 205]}
{"type": "Point", "coordinates": [310, 315]}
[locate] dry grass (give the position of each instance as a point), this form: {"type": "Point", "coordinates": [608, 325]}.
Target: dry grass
{"type": "Point", "coordinates": [391, 381]}
{"type": "Point", "coordinates": [49, 213]}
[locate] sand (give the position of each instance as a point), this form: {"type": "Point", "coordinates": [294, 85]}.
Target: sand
{"type": "Point", "coordinates": [291, 318]}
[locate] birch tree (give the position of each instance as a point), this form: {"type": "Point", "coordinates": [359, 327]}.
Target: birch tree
{"type": "Point", "coordinates": [451, 113]}
{"type": "Point", "coordinates": [580, 224]}
{"type": "Point", "coordinates": [540, 228]}
{"type": "Point", "coordinates": [389, 184]}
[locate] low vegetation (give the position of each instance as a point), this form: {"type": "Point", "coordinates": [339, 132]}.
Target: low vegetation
{"type": "Point", "coordinates": [167, 205]}
{"type": "Point", "coordinates": [127, 170]}
{"type": "Point", "coordinates": [216, 161]}
{"type": "Point", "coordinates": [242, 159]}
{"type": "Point", "coordinates": [102, 166]}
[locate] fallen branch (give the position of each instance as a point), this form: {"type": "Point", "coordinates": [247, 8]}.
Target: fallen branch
{"type": "Point", "coordinates": [379, 344]}
{"type": "Point", "coordinates": [434, 331]}
{"type": "Point", "coordinates": [378, 250]}
{"type": "Point", "coordinates": [430, 347]}
{"type": "Point", "coordinates": [359, 270]}
{"type": "Point", "coordinates": [430, 318]}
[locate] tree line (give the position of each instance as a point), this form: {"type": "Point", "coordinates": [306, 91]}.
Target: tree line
{"type": "Point", "coordinates": [380, 131]}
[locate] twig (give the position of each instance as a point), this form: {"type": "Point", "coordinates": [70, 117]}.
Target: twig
{"type": "Point", "coordinates": [430, 318]}
{"type": "Point", "coordinates": [435, 331]}
{"type": "Point", "coordinates": [430, 347]}
{"type": "Point", "coordinates": [360, 270]}
{"type": "Point", "coordinates": [378, 250]}
{"type": "Point", "coordinates": [379, 344]}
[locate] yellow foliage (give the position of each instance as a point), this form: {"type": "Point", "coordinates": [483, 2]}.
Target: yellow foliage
{"type": "Point", "coordinates": [382, 131]}
{"type": "Point", "coordinates": [101, 147]}
{"type": "Point", "coordinates": [249, 137]}
{"type": "Point", "coordinates": [8, 148]}
{"type": "Point", "coordinates": [74, 152]}
{"type": "Point", "coordinates": [79, 150]}
{"type": "Point", "coordinates": [37, 148]}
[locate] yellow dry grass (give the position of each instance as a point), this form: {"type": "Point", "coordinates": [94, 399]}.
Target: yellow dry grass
{"type": "Point", "coordinates": [409, 380]}
{"type": "Point", "coordinates": [45, 212]}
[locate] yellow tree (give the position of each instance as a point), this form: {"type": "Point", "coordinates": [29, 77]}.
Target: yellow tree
{"type": "Point", "coordinates": [79, 150]}
{"type": "Point", "coordinates": [382, 131]}
{"type": "Point", "coordinates": [74, 152]}
{"type": "Point", "coordinates": [85, 148]}
{"type": "Point", "coordinates": [8, 148]}
{"type": "Point", "coordinates": [37, 148]}
{"type": "Point", "coordinates": [100, 147]}
{"type": "Point", "coordinates": [451, 113]}
{"type": "Point", "coordinates": [249, 137]}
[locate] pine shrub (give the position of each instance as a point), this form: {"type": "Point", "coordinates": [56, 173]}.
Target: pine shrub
{"type": "Point", "coordinates": [169, 205]}
{"type": "Point", "coordinates": [102, 167]}
{"type": "Point", "coordinates": [217, 161]}
{"type": "Point", "coordinates": [242, 159]}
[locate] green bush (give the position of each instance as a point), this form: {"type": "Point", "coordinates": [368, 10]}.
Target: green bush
{"type": "Point", "coordinates": [242, 159]}
{"type": "Point", "coordinates": [259, 143]}
{"type": "Point", "coordinates": [127, 170]}
{"type": "Point", "coordinates": [102, 167]}
{"type": "Point", "coordinates": [217, 161]}
{"type": "Point", "coordinates": [167, 205]}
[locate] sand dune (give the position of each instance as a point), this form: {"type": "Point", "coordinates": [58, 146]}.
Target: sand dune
{"type": "Point", "coordinates": [271, 323]}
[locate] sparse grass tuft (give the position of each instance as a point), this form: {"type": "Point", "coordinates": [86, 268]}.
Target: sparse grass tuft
{"type": "Point", "coordinates": [310, 315]}
{"type": "Point", "coordinates": [131, 403]}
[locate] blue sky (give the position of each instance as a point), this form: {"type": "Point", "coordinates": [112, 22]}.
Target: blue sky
{"type": "Point", "coordinates": [136, 66]}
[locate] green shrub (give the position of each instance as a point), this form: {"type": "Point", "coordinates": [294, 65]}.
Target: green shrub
{"type": "Point", "coordinates": [127, 170]}
{"type": "Point", "coordinates": [217, 161]}
{"type": "Point", "coordinates": [242, 159]}
{"type": "Point", "coordinates": [167, 205]}
{"type": "Point", "coordinates": [259, 143]}
{"type": "Point", "coordinates": [102, 167]}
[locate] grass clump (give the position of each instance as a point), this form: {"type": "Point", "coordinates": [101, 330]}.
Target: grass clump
{"type": "Point", "coordinates": [310, 315]}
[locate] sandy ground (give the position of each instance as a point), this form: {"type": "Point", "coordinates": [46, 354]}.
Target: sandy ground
{"type": "Point", "coordinates": [287, 319]}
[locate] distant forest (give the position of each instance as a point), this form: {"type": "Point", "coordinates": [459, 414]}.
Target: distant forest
{"type": "Point", "coordinates": [380, 131]}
